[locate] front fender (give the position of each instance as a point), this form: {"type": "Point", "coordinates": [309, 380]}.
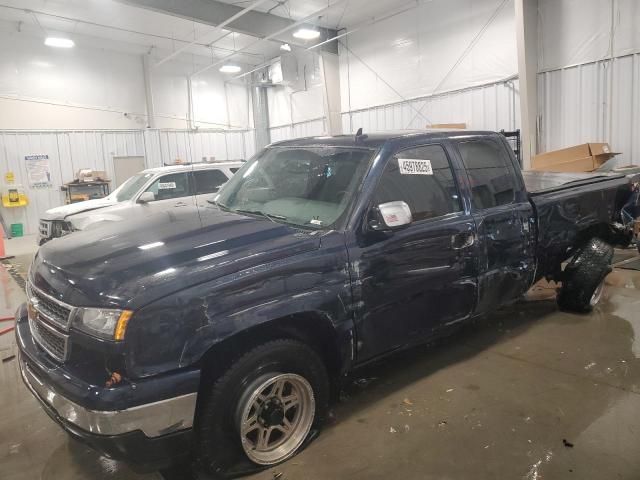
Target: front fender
{"type": "Point", "coordinates": [175, 332]}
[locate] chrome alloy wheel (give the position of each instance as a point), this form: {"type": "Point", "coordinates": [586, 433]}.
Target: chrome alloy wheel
{"type": "Point", "coordinates": [274, 417]}
{"type": "Point", "coordinates": [597, 294]}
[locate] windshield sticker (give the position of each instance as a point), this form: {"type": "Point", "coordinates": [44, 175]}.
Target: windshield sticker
{"type": "Point", "coordinates": [315, 221]}
{"type": "Point", "coordinates": [410, 166]}
{"type": "Point", "coordinates": [166, 185]}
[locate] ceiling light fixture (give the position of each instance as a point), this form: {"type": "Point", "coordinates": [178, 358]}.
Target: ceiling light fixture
{"type": "Point", "coordinates": [230, 68]}
{"type": "Point", "coordinates": [306, 33]}
{"type": "Point", "coordinates": [285, 47]}
{"type": "Point", "coordinates": [59, 42]}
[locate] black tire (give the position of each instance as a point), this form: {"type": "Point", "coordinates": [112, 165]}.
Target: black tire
{"type": "Point", "coordinates": [219, 448]}
{"type": "Point", "coordinates": [584, 274]}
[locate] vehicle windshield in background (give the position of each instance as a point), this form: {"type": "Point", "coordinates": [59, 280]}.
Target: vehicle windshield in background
{"type": "Point", "coordinates": [304, 186]}
{"type": "Point", "coordinates": [132, 186]}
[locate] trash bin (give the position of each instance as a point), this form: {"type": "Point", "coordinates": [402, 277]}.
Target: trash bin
{"type": "Point", "coordinates": [17, 230]}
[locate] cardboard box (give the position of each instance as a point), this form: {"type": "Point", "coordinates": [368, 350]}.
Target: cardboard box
{"type": "Point", "coordinates": [88, 175]}
{"type": "Point", "coordinates": [580, 158]}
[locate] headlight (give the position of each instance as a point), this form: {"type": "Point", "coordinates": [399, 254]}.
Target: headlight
{"type": "Point", "coordinates": [102, 322]}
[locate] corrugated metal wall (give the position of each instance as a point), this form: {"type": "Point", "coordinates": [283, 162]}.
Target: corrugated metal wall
{"type": "Point", "coordinates": [309, 128]}
{"type": "Point", "coordinates": [70, 151]}
{"type": "Point", "coordinates": [488, 107]}
{"type": "Point", "coordinates": [575, 107]}
{"type": "Point", "coordinates": [494, 106]}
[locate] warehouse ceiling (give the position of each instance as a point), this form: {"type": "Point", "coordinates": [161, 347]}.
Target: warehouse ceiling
{"type": "Point", "coordinates": [139, 26]}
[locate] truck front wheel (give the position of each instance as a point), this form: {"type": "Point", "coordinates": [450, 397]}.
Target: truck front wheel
{"type": "Point", "coordinates": [263, 407]}
{"type": "Point", "coordinates": [583, 277]}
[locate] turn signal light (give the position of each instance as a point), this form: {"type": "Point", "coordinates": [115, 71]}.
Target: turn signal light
{"type": "Point", "coordinates": [121, 326]}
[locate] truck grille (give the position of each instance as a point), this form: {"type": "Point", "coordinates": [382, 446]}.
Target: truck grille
{"type": "Point", "coordinates": [49, 323]}
{"type": "Point", "coordinates": [54, 229]}
{"type": "Point", "coordinates": [53, 342]}
{"type": "Point", "coordinates": [52, 310]}
{"type": "Point", "coordinates": [45, 228]}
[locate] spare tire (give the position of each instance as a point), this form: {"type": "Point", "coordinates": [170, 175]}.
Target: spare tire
{"type": "Point", "coordinates": [583, 277]}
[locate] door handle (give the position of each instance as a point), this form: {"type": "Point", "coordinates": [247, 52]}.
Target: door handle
{"type": "Point", "coordinates": [460, 241]}
{"type": "Point", "coordinates": [180, 204]}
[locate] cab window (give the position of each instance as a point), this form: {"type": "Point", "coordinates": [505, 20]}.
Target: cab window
{"type": "Point", "coordinates": [423, 179]}
{"type": "Point", "coordinates": [490, 172]}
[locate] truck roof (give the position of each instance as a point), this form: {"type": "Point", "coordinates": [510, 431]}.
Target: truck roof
{"type": "Point", "coordinates": [377, 139]}
{"type": "Point", "coordinates": [193, 166]}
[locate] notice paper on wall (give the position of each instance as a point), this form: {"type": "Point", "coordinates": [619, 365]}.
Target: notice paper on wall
{"type": "Point", "coordinates": [38, 171]}
{"type": "Point", "coordinates": [410, 166]}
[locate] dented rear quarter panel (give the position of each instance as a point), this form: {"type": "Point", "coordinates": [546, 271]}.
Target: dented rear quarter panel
{"type": "Point", "coordinates": [564, 214]}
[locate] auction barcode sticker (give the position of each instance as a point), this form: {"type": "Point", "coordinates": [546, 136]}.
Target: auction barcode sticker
{"type": "Point", "coordinates": [409, 166]}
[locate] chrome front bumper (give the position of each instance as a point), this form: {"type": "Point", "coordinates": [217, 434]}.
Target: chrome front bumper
{"type": "Point", "coordinates": [153, 419]}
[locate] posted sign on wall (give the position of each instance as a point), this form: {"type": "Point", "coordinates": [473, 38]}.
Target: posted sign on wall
{"type": "Point", "coordinates": [38, 171]}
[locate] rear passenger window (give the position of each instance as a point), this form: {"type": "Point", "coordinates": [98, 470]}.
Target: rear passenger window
{"type": "Point", "coordinates": [426, 184]}
{"type": "Point", "coordinates": [490, 173]}
{"type": "Point", "coordinates": [209, 181]}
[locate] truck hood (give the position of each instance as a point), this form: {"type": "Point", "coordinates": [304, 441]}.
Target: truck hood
{"type": "Point", "coordinates": [60, 213]}
{"type": "Point", "coordinates": [136, 261]}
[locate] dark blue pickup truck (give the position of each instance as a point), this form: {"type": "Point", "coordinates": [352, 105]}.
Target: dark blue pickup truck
{"type": "Point", "coordinates": [220, 331]}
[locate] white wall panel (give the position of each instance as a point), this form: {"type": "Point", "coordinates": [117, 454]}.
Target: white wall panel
{"type": "Point", "coordinates": [14, 148]}
{"type": "Point", "coordinates": [249, 139]}
{"type": "Point", "coordinates": [574, 106]}
{"type": "Point", "coordinates": [70, 151]}
{"type": "Point", "coordinates": [418, 56]}
{"type": "Point", "coordinates": [91, 86]}
{"type": "Point", "coordinates": [627, 33]}
{"type": "Point", "coordinates": [311, 128]}
{"type": "Point", "coordinates": [489, 107]}
{"type": "Point", "coordinates": [573, 31]}
{"type": "Point", "coordinates": [579, 31]}
{"type": "Point", "coordinates": [626, 109]}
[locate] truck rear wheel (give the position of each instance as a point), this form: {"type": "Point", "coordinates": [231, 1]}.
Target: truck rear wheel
{"type": "Point", "coordinates": [263, 407]}
{"type": "Point", "coordinates": [583, 277]}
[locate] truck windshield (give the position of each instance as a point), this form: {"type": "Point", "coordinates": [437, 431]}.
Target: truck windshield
{"type": "Point", "coordinates": [309, 187]}
{"type": "Point", "coordinates": [128, 189]}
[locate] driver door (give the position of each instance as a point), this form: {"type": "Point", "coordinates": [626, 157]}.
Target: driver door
{"type": "Point", "coordinates": [418, 279]}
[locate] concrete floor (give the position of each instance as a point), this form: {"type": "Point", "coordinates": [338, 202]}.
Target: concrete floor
{"type": "Point", "coordinates": [530, 393]}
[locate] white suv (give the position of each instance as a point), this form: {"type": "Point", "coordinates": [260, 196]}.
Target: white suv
{"type": "Point", "coordinates": [162, 188]}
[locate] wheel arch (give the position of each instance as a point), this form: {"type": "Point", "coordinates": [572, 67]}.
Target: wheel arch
{"type": "Point", "coordinates": [315, 329]}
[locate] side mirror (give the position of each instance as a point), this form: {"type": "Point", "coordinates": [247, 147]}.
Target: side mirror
{"type": "Point", "coordinates": [390, 216]}
{"type": "Point", "coordinates": [146, 197]}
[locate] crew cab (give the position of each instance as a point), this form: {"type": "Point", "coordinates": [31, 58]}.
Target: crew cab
{"type": "Point", "coordinates": [163, 187]}
{"type": "Point", "coordinates": [221, 331]}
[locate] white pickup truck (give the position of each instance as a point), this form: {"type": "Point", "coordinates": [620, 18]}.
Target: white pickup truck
{"type": "Point", "coordinates": [157, 188]}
